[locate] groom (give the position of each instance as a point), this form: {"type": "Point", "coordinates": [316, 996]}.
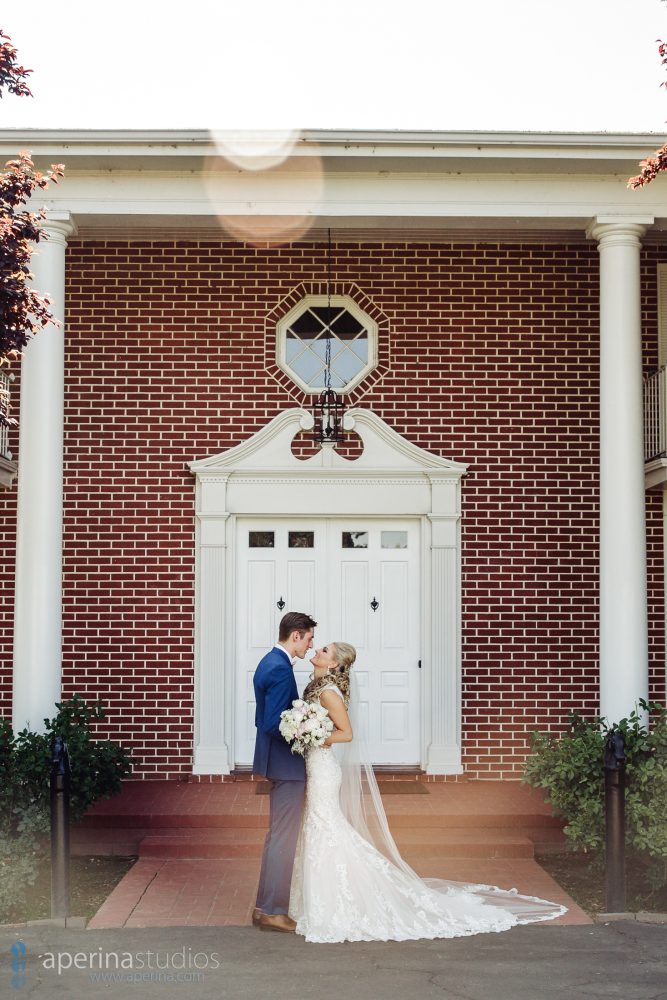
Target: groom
{"type": "Point", "coordinates": [275, 690]}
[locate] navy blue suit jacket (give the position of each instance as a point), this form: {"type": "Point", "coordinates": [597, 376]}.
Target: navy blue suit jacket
{"type": "Point", "coordinates": [275, 690]}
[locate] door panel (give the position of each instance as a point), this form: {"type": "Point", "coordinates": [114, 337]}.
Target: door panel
{"type": "Point", "coordinates": [354, 586]}
{"type": "Point", "coordinates": [394, 602]}
{"type": "Point", "coordinates": [394, 720]}
{"type": "Point", "coordinates": [300, 585]}
{"type": "Point", "coordinates": [260, 602]}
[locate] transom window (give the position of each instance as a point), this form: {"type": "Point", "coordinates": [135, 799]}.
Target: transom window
{"type": "Point", "coordinates": [302, 339]}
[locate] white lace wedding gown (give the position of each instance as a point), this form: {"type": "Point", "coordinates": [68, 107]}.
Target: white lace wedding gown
{"type": "Point", "coordinates": [343, 889]}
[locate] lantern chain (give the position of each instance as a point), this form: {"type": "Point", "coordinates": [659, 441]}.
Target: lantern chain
{"type": "Point", "coordinates": [327, 349]}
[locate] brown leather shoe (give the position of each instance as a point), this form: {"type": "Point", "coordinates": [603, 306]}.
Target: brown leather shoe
{"type": "Point", "coordinates": [256, 914]}
{"type": "Point", "coordinates": [276, 922]}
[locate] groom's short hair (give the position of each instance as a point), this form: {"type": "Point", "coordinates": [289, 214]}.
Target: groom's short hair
{"type": "Point", "coordinates": [294, 621]}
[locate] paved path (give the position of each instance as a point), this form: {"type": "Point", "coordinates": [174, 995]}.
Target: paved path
{"type": "Point", "coordinates": [624, 960]}
{"type": "Point", "coordinates": [157, 893]}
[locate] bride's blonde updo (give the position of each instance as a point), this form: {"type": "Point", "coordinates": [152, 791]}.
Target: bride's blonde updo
{"type": "Point", "coordinates": [345, 657]}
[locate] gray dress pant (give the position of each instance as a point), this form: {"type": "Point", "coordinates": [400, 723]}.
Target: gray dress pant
{"type": "Point", "coordinates": [286, 800]}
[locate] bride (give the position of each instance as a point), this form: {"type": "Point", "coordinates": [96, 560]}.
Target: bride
{"type": "Point", "coordinates": [350, 882]}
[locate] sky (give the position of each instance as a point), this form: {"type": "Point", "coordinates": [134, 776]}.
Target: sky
{"type": "Point", "coordinates": [444, 65]}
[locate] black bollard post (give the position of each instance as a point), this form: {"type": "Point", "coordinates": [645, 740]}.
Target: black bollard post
{"type": "Point", "coordinates": [614, 771]}
{"type": "Point", "coordinates": [60, 781]}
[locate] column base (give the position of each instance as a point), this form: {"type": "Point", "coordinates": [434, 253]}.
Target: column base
{"type": "Point", "coordinates": [212, 760]}
{"type": "Point", "coordinates": [443, 760]}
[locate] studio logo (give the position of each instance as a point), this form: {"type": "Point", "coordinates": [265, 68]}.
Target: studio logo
{"type": "Point", "coordinates": [19, 964]}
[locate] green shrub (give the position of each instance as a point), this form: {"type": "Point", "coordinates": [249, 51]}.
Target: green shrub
{"type": "Point", "coordinates": [570, 768]}
{"type": "Point", "coordinates": [20, 856]}
{"type": "Point", "coordinates": [97, 770]}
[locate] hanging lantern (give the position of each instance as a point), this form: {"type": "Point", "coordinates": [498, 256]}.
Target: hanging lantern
{"type": "Point", "coordinates": [328, 411]}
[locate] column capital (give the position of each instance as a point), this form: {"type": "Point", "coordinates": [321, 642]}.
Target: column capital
{"type": "Point", "coordinates": [609, 230]}
{"type": "Point", "coordinates": [59, 226]}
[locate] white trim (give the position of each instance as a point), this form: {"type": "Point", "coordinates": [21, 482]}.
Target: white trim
{"type": "Point", "coordinates": [465, 197]}
{"type": "Point", "coordinates": [8, 471]}
{"type": "Point", "coordinates": [655, 476]}
{"type": "Point", "coordinates": [391, 477]}
{"type": "Point", "coordinates": [352, 143]}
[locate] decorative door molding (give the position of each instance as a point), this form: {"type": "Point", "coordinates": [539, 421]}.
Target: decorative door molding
{"type": "Point", "coordinates": [391, 478]}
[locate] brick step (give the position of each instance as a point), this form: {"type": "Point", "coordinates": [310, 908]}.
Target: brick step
{"type": "Point", "coordinates": [124, 842]}
{"type": "Point", "coordinates": [106, 842]}
{"type": "Point", "coordinates": [475, 821]}
{"type": "Point", "coordinates": [546, 840]}
{"type": "Point", "coordinates": [414, 844]}
{"type": "Point", "coordinates": [421, 843]}
{"type": "Point", "coordinates": [383, 772]}
{"type": "Point", "coordinates": [161, 821]}
{"type": "Point", "coordinates": [253, 820]}
{"type": "Point", "coordinates": [222, 843]}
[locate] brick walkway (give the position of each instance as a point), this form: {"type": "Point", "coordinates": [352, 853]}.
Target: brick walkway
{"type": "Point", "coordinates": [199, 846]}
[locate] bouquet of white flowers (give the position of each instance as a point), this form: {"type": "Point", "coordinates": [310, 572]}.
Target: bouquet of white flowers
{"type": "Point", "coordinates": [305, 725]}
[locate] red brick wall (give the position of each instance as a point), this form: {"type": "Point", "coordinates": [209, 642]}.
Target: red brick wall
{"type": "Point", "coordinates": [493, 361]}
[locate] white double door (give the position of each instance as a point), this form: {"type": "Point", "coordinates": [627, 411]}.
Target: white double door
{"type": "Point", "coordinates": [360, 580]}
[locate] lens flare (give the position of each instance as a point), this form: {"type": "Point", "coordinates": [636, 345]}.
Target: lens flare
{"type": "Point", "coordinates": [264, 199]}
{"type": "Point", "coordinates": [255, 150]}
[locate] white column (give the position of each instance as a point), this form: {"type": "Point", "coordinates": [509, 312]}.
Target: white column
{"type": "Point", "coordinates": [623, 605]}
{"type": "Point", "coordinates": [38, 608]}
{"type": "Point", "coordinates": [443, 617]}
{"type": "Point", "coordinates": [214, 679]}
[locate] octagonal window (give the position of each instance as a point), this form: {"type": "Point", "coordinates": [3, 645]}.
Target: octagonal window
{"type": "Point", "coordinates": [302, 339]}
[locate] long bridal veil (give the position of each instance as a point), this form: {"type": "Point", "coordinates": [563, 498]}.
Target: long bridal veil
{"type": "Point", "coordinates": [362, 806]}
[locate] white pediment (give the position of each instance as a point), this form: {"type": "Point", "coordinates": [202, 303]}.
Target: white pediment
{"type": "Point", "coordinates": [270, 450]}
